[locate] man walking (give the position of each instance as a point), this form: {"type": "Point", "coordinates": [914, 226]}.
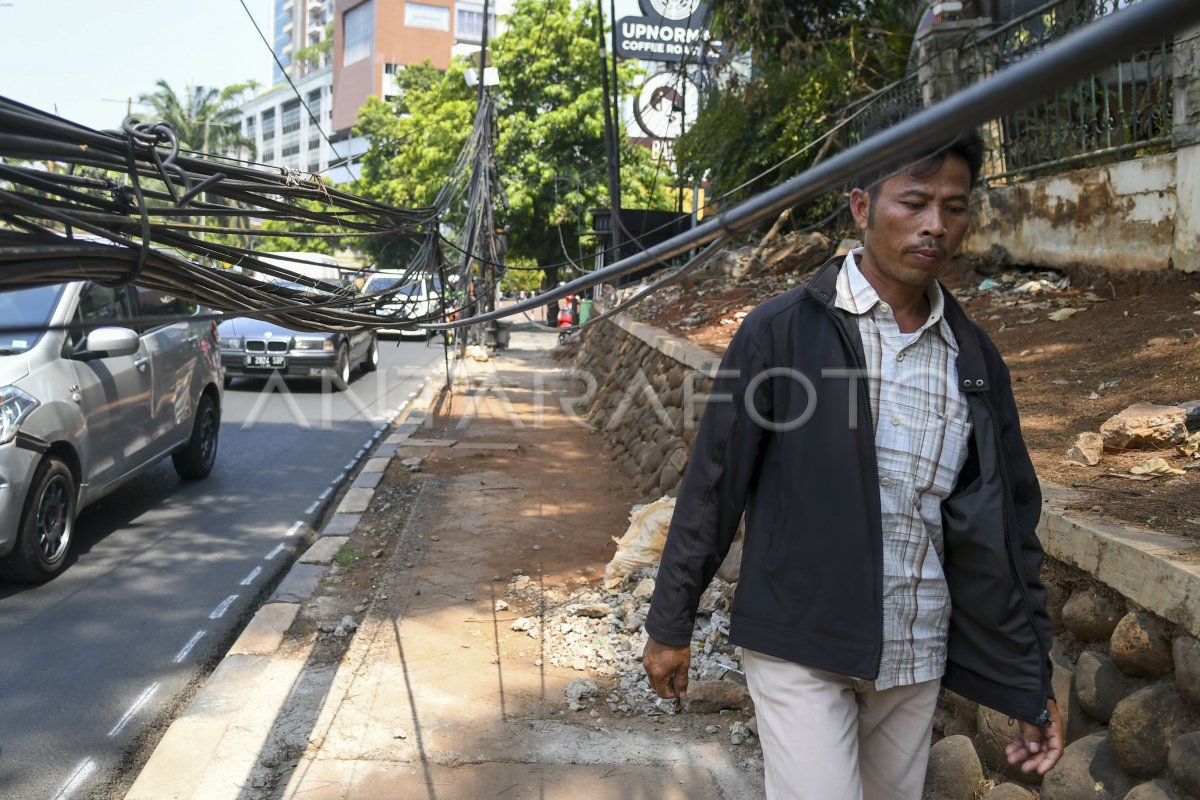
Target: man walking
{"type": "Point", "coordinates": [868, 431]}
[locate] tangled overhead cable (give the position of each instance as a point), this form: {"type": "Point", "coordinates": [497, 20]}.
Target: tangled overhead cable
{"type": "Point", "coordinates": [119, 206]}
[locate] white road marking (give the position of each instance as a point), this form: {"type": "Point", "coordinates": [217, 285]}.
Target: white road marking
{"type": "Point", "coordinates": [360, 453]}
{"type": "Point", "coordinates": [143, 698]}
{"type": "Point", "coordinates": [312, 508]}
{"type": "Point", "coordinates": [278, 549]}
{"type": "Point", "coordinates": [249, 579]}
{"type": "Point", "coordinates": [324, 494]}
{"type": "Point", "coordinates": [187, 648]}
{"type": "Point", "coordinates": [338, 479]}
{"type": "Point", "coordinates": [378, 432]}
{"type": "Point", "coordinates": [296, 526]}
{"type": "Point", "coordinates": [77, 778]}
{"type": "Point", "coordinates": [220, 610]}
{"type": "Point", "coordinates": [349, 466]}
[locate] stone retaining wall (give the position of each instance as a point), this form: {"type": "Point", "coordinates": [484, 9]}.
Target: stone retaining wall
{"type": "Point", "coordinates": [1125, 604]}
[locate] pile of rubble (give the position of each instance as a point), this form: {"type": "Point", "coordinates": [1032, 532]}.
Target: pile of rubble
{"type": "Point", "coordinates": [600, 631]}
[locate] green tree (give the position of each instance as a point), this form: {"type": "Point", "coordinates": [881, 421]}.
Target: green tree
{"type": "Point", "coordinates": [809, 60]}
{"type": "Point", "coordinates": [205, 119]}
{"type": "Point", "coordinates": [550, 145]}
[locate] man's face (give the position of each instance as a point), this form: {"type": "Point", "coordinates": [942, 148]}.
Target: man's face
{"type": "Point", "coordinates": [916, 222]}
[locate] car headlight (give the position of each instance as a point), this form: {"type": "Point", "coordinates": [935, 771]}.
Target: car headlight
{"type": "Point", "coordinates": [313, 344]}
{"type": "Point", "coordinates": [232, 342]}
{"type": "Point", "coordinates": [15, 405]}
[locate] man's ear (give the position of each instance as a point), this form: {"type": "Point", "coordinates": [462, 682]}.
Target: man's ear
{"type": "Point", "coordinates": [860, 207]}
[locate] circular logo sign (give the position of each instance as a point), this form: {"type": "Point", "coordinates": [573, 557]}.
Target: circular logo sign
{"type": "Point", "coordinates": [676, 9]}
{"type": "Point", "coordinates": [666, 103]}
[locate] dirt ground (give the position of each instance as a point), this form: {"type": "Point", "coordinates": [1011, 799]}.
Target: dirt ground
{"type": "Point", "coordinates": [1133, 339]}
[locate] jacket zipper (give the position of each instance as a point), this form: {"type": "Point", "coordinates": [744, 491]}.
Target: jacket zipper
{"type": "Point", "coordinates": [1043, 717]}
{"type": "Point", "coordinates": [861, 361]}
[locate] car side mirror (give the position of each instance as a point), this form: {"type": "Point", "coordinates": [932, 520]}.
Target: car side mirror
{"type": "Point", "coordinates": [109, 342]}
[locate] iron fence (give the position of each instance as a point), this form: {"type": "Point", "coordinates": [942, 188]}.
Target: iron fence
{"type": "Point", "coordinates": [1123, 110]}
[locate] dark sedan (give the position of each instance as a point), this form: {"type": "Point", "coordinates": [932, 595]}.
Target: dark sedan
{"type": "Point", "coordinates": [254, 348]}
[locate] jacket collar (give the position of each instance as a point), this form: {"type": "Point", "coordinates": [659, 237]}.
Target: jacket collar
{"type": "Point", "coordinates": [972, 370]}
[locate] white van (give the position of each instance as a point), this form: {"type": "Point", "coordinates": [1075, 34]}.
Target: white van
{"type": "Point", "coordinates": [83, 410]}
{"type": "Point", "coordinates": [317, 266]}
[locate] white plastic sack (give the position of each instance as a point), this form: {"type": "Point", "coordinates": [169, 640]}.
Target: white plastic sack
{"type": "Point", "coordinates": [642, 544]}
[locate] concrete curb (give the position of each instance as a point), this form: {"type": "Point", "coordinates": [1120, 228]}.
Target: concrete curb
{"type": "Point", "coordinates": [203, 744]}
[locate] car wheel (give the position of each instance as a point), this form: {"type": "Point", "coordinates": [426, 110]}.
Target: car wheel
{"type": "Point", "coordinates": [197, 457]}
{"type": "Point", "coordinates": [372, 362]}
{"type": "Point", "coordinates": [47, 525]}
{"type": "Point", "coordinates": [227, 381]}
{"type": "Point", "coordinates": [341, 370]}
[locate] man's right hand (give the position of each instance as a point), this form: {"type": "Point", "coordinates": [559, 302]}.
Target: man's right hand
{"type": "Point", "coordinates": [667, 668]}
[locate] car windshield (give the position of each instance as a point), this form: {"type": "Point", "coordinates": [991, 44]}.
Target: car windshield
{"type": "Point", "coordinates": [414, 287]}
{"type": "Point", "coordinates": [387, 284]}
{"type": "Point", "coordinates": [21, 307]}
{"type": "Point", "coordinates": [299, 287]}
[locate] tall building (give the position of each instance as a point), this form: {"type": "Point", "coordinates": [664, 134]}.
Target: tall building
{"type": "Point", "coordinates": [372, 41]}
{"type": "Point", "coordinates": [298, 24]}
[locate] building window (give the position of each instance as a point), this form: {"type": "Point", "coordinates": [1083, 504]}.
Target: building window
{"type": "Point", "coordinates": [250, 131]}
{"type": "Point", "coordinates": [268, 136]}
{"type": "Point", "coordinates": [423, 15]}
{"type": "Point", "coordinates": [289, 139]}
{"type": "Point", "coordinates": [358, 27]}
{"type": "Point", "coordinates": [314, 133]}
{"type": "Point", "coordinates": [469, 25]}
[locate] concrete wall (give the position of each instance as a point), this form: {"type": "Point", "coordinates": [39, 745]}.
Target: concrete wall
{"type": "Point", "coordinates": [1120, 217]}
{"type": "Point", "coordinates": [1137, 214]}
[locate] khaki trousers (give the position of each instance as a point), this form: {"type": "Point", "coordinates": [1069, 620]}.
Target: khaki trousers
{"type": "Point", "coordinates": [829, 737]}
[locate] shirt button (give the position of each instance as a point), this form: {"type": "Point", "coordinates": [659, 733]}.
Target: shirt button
{"type": "Point", "coordinates": [900, 357]}
{"type": "Point", "coordinates": [884, 481]}
{"type": "Point", "coordinates": [884, 308]}
{"type": "Point", "coordinates": [896, 420]}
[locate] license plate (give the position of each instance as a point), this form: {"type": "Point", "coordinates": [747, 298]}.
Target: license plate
{"type": "Point", "coordinates": [266, 361]}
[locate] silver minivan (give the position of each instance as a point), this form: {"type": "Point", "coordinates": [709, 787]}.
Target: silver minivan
{"type": "Point", "coordinates": [83, 410]}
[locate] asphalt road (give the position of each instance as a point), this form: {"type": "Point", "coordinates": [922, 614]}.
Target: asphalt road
{"type": "Point", "coordinates": [165, 572]}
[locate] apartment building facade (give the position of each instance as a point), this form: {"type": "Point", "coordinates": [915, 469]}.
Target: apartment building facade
{"type": "Point", "coordinates": [372, 41]}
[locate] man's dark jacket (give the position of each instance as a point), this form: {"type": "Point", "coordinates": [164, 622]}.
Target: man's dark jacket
{"type": "Point", "coordinates": [811, 576]}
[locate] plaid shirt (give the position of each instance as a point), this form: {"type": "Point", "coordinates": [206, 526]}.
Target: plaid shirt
{"type": "Point", "coordinates": [921, 432]}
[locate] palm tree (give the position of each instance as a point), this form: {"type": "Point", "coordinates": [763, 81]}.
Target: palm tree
{"type": "Point", "coordinates": [206, 119]}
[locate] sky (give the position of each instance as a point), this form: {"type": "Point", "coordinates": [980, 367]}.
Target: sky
{"type": "Point", "coordinates": [84, 59]}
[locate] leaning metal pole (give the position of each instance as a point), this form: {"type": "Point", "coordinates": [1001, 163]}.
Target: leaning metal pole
{"type": "Point", "coordinates": [1061, 64]}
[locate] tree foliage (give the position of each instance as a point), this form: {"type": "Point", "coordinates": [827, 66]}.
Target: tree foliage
{"type": "Point", "coordinates": [809, 60]}
{"type": "Point", "coordinates": [550, 145]}
{"type": "Point", "coordinates": [205, 119]}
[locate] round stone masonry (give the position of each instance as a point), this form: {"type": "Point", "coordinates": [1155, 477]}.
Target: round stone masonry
{"type": "Point", "coordinates": [1091, 616]}
{"type": "Point", "coordinates": [1100, 685]}
{"type": "Point", "coordinates": [1141, 646]}
{"type": "Point", "coordinates": [1186, 653]}
{"type": "Point", "coordinates": [954, 771]}
{"type": "Point", "coordinates": [1183, 763]}
{"type": "Point", "coordinates": [1088, 769]}
{"type": "Point", "coordinates": [1008, 791]}
{"type": "Point", "coordinates": [1144, 725]}
{"type": "Point", "coordinates": [994, 731]}
{"type": "Point", "coordinates": [1152, 790]}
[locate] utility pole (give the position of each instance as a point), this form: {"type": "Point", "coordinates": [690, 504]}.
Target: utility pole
{"type": "Point", "coordinates": [610, 141]}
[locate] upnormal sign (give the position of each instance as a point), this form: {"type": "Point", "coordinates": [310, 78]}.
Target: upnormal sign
{"type": "Point", "coordinates": [668, 30]}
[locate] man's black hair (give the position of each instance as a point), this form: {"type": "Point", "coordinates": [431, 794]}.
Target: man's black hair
{"type": "Point", "coordinates": [967, 145]}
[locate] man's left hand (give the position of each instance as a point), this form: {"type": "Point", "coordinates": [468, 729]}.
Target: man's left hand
{"type": "Point", "coordinates": [1038, 747]}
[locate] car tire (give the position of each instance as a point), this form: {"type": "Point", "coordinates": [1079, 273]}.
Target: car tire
{"type": "Point", "coordinates": [227, 381]}
{"type": "Point", "coordinates": [371, 363]}
{"type": "Point", "coordinates": [197, 457]}
{"type": "Point", "coordinates": [47, 525]}
{"type": "Point", "coordinates": [341, 369]}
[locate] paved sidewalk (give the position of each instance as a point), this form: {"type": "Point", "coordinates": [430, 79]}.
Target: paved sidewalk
{"type": "Point", "coordinates": [437, 696]}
